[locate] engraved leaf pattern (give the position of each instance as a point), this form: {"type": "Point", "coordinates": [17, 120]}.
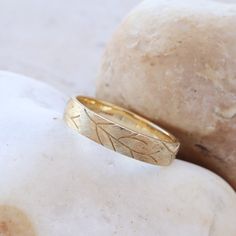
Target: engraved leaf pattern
{"type": "Point", "coordinates": [122, 140]}
{"type": "Point", "coordinates": [131, 143]}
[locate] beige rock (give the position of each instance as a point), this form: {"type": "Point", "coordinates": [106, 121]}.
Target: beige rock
{"type": "Point", "coordinates": [175, 63]}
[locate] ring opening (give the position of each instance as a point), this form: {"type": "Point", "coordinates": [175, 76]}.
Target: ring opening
{"type": "Point", "coordinates": [126, 119]}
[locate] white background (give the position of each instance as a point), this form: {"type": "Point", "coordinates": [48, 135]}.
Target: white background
{"type": "Point", "coordinates": [58, 41]}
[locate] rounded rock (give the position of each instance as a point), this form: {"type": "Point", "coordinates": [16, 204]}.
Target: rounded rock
{"type": "Point", "coordinates": [174, 62]}
{"type": "Point", "coordinates": [68, 185]}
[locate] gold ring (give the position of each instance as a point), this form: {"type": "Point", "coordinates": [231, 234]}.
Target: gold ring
{"type": "Point", "coordinates": [121, 130]}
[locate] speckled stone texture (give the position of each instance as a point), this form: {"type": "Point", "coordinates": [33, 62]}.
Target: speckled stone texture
{"type": "Point", "coordinates": [175, 63]}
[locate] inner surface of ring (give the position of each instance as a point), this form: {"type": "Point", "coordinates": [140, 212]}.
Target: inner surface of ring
{"type": "Point", "coordinates": [126, 119]}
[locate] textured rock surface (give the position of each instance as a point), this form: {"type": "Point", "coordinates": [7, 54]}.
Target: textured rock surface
{"type": "Point", "coordinates": [56, 182]}
{"type": "Point", "coordinates": [174, 62]}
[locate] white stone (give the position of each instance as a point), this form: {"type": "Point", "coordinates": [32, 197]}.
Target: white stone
{"type": "Point", "coordinates": [68, 185]}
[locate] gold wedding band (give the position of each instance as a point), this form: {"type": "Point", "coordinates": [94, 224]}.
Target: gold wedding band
{"type": "Point", "coordinates": [121, 130]}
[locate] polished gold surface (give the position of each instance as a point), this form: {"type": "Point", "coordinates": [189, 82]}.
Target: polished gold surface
{"type": "Point", "coordinates": [121, 130]}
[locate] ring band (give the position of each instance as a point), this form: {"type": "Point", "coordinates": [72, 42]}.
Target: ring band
{"type": "Point", "coordinates": [121, 130]}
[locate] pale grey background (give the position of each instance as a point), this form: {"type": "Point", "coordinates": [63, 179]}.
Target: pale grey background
{"type": "Point", "coordinates": [58, 41]}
